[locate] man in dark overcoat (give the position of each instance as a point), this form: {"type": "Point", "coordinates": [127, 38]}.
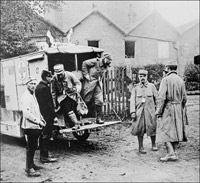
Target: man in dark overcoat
{"type": "Point", "coordinates": [45, 101]}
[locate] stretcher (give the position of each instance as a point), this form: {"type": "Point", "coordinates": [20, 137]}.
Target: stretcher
{"type": "Point", "coordinates": [86, 125]}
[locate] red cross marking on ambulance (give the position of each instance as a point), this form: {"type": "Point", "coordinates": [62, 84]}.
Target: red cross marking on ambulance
{"type": "Point", "coordinates": [22, 70]}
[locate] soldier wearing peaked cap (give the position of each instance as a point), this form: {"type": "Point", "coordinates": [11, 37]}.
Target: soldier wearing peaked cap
{"type": "Point", "coordinates": [170, 110]}
{"type": "Point", "coordinates": [142, 109]}
{"type": "Point", "coordinates": [144, 72]}
{"type": "Point", "coordinates": [93, 71]}
{"type": "Point", "coordinates": [172, 63]}
{"type": "Point", "coordinates": [64, 89]}
{"type": "Point", "coordinates": [45, 101]}
{"type": "Point", "coordinates": [32, 124]}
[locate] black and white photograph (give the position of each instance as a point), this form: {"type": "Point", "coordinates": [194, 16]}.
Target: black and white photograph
{"type": "Point", "coordinates": [99, 91]}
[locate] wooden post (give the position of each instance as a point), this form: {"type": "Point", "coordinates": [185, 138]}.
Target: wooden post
{"type": "Point", "coordinates": [118, 90]}
{"type": "Point", "coordinates": [104, 91]}
{"type": "Point", "coordinates": [76, 62]}
{"type": "Point", "coordinates": [111, 83]}
{"type": "Point", "coordinates": [115, 85]}
{"type": "Point", "coordinates": [108, 92]}
{"type": "Point", "coordinates": [123, 93]}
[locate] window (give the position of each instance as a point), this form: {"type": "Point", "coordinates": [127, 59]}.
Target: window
{"type": "Point", "coordinates": [163, 50]}
{"type": "Point", "coordinates": [93, 43]}
{"type": "Point", "coordinates": [129, 49]}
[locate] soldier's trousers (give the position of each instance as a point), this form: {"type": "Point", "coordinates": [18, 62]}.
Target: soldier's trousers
{"type": "Point", "coordinates": [32, 143]}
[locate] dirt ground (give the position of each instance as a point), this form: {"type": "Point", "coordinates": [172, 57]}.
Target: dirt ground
{"type": "Point", "coordinates": [110, 155]}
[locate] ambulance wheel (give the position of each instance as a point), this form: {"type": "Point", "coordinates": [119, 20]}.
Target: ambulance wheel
{"type": "Point", "coordinates": [81, 135]}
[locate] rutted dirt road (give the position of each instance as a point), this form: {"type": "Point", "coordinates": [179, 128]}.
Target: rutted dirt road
{"type": "Point", "coordinates": [110, 156]}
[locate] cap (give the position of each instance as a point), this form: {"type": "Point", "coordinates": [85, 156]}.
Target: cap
{"type": "Point", "coordinates": [108, 60]}
{"type": "Point", "coordinates": [107, 55]}
{"type": "Point", "coordinates": [59, 68]}
{"type": "Point", "coordinates": [172, 63]}
{"type": "Point", "coordinates": [29, 79]}
{"type": "Point", "coordinates": [144, 72]}
{"type": "Point", "coordinates": [46, 73]}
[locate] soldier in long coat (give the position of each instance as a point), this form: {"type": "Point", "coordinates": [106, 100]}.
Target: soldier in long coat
{"type": "Point", "coordinates": [142, 109]}
{"type": "Point", "coordinates": [170, 109]}
{"type": "Point", "coordinates": [93, 71]}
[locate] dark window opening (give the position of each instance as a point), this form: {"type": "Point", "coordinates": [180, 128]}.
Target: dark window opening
{"type": "Point", "coordinates": [129, 49]}
{"type": "Point", "coordinates": [93, 43]}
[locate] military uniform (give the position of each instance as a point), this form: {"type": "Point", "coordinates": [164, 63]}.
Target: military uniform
{"type": "Point", "coordinates": [171, 103]}
{"type": "Point", "coordinates": [45, 101]}
{"type": "Point", "coordinates": [142, 109]}
{"type": "Point", "coordinates": [171, 111]}
{"type": "Point", "coordinates": [143, 103]}
{"type": "Point", "coordinates": [64, 93]}
{"type": "Point", "coordinates": [93, 71]}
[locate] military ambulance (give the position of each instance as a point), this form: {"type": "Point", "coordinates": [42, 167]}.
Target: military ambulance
{"type": "Point", "coordinates": [14, 72]}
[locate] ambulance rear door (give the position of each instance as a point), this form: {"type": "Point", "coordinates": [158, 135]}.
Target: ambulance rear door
{"type": "Point", "coordinates": [10, 88]}
{"type": "Point", "coordinates": [36, 64]}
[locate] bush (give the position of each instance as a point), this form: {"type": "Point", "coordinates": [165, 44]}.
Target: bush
{"type": "Point", "coordinates": [192, 77]}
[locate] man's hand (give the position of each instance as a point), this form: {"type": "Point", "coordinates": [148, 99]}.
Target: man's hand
{"type": "Point", "coordinates": [133, 116]}
{"type": "Point", "coordinates": [87, 77]}
{"type": "Point", "coordinates": [158, 115]}
{"type": "Point", "coordinates": [70, 90]}
{"type": "Point", "coordinates": [55, 120]}
{"type": "Point", "coordinates": [42, 123]}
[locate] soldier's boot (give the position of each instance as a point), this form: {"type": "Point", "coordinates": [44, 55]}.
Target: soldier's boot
{"type": "Point", "coordinates": [74, 121]}
{"type": "Point", "coordinates": [99, 114]}
{"type": "Point", "coordinates": [44, 152]}
{"type": "Point", "coordinates": [153, 141]}
{"type": "Point", "coordinates": [170, 156]}
{"type": "Point", "coordinates": [175, 147]}
{"type": "Point", "coordinates": [34, 166]}
{"type": "Point", "coordinates": [141, 147]}
{"type": "Point", "coordinates": [29, 164]}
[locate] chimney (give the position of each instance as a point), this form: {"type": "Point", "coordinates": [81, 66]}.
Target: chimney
{"type": "Point", "coordinates": [94, 6]}
{"type": "Point", "coordinates": [131, 16]}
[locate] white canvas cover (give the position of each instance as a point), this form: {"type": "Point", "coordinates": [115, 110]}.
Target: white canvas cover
{"type": "Point", "coordinates": [71, 48]}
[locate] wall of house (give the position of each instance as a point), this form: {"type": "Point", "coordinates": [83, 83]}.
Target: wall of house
{"type": "Point", "coordinates": [188, 47]}
{"type": "Point", "coordinates": [146, 52]}
{"type": "Point", "coordinates": [147, 36]}
{"type": "Point", "coordinates": [155, 26]}
{"type": "Point", "coordinates": [110, 39]}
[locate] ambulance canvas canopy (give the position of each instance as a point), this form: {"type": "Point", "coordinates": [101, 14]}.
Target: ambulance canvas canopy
{"type": "Point", "coordinates": [72, 49]}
